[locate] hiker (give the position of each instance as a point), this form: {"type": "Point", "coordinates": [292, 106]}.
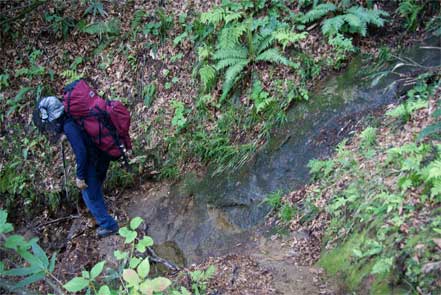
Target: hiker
{"type": "Point", "coordinates": [91, 162]}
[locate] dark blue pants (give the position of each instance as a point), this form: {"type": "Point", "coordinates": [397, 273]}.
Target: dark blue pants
{"type": "Point", "coordinates": [93, 196]}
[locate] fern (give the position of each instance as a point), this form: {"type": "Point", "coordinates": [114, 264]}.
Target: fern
{"type": "Point", "coordinates": [214, 16]}
{"type": "Point", "coordinates": [234, 57]}
{"type": "Point", "coordinates": [285, 37]}
{"type": "Point", "coordinates": [405, 110]}
{"type": "Point", "coordinates": [111, 27]}
{"type": "Point", "coordinates": [237, 52]}
{"type": "Point", "coordinates": [207, 74]}
{"type": "Point", "coordinates": [333, 25]}
{"type": "Point", "coordinates": [229, 36]}
{"type": "Point", "coordinates": [232, 16]}
{"type": "Point", "coordinates": [262, 42]}
{"type": "Point", "coordinates": [355, 20]}
{"type": "Point", "coordinates": [273, 55]}
{"type": "Point", "coordinates": [318, 12]}
{"type": "Point", "coordinates": [71, 75]}
{"type": "Point", "coordinates": [231, 75]}
{"type": "Point", "coordinates": [368, 137]}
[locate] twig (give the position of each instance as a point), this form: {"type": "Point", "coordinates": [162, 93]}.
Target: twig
{"type": "Point", "coordinates": [58, 220]}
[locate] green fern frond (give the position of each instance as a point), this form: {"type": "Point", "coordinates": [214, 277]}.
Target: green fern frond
{"type": "Point", "coordinates": [229, 36]}
{"type": "Point", "coordinates": [333, 25]}
{"type": "Point", "coordinates": [273, 55]}
{"type": "Point", "coordinates": [355, 23]}
{"type": "Point", "coordinates": [227, 62]}
{"type": "Point", "coordinates": [262, 42]}
{"type": "Point", "coordinates": [232, 16]}
{"type": "Point", "coordinates": [237, 52]}
{"type": "Point", "coordinates": [207, 74]}
{"type": "Point", "coordinates": [231, 75]}
{"type": "Point", "coordinates": [318, 12]}
{"type": "Point", "coordinates": [369, 16]}
{"type": "Point", "coordinates": [214, 16]}
{"type": "Point", "coordinates": [204, 52]}
{"type": "Point", "coordinates": [436, 188]}
{"type": "Point", "coordinates": [434, 169]}
{"type": "Point", "coordinates": [285, 37]}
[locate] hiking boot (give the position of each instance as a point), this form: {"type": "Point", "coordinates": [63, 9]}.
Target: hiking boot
{"type": "Point", "coordinates": [102, 232]}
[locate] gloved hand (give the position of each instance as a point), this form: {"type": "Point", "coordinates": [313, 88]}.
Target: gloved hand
{"type": "Point", "coordinates": [81, 184]}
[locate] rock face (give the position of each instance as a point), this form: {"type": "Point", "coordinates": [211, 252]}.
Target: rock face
{"type": "Point", "coordinates": [216, 215]}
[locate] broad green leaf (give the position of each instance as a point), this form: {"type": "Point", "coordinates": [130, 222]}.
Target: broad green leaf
{"type": "Point", "coordinates": [104, 290]}
{"type": "Point", "coordinates": [134, 262]}
{"type": "Point", "coordinates": [32, 259]}
{"type": "Point", "coordinates": [144, 243]}
{"type": "Point", "coordinates": [29, 280]}
{"type": "Point", "coordinates": [135, 222]}
{"type": "Point", "coordinates": [23, 271]}
{"type": "Point", "coordinates": [14, 241]}
{"type": "Point", "coordinates": [144, 268]}
{"type": "Point", "coordinates": [5, 227]}
{"type": "Point", "coordinates": [96, 270]}
{"type": "Point", "coordinates": [52, 263]}
{"type": "Point", "coordinates": [128, 234]}
{"type": "Point", "coordinates": [119, 255]}
{"type": "Point", "coordinates": [85, 274]}
{"type": "Point", "coordinates": [160, 284]}
{"type": "Point", "coordinates": [76, 284]}
{"type": "Point", "coordinates": [146, 288]}
{"type": "Point", "coordinates": [131, 277]}
{"type": "Point", "coordinates": [41, 255]}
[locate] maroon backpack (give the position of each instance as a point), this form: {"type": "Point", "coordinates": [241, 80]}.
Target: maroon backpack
{"type": "Point", "coordinates": [107, 122]}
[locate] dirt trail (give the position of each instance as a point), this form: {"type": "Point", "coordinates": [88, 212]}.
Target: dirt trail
{"type": "Point", "coordinates": [254, 263]}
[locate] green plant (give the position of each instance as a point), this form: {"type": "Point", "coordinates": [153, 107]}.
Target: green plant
{"type": "Point", "coordinates": [148, 94]}
{"type": "Point", "coordinates": [237, 58]}
{"type": "Point", "coordinates": [286, 213]}
{"type": "Point", "coordinates": [405, 110]}
{"type": "Point", "coordinates": [60, 25]}
{"type": "Point", "coordinates": [261, 99]}
{"type": "Point", "coordinates": [161, 27]}
{"type": "Point", "coordinates": [274, 199]}
{"type": "Point", "coordinates": [132, 275]}
{"type": "Point", "coordinates": [36, 264]}
{"type": "Point", "coordinates": [368, 137]}
{"type": "Point", "coordinates": [355, 20]}
{"type": "Point", "coordinates": [103, 28]}
{"type": "Point", "coordinates": [320, 168]}
{"type": "Point", "coordinates": [286, 37]}
{"type": "Point", "coordinates": [72, 74]}
{"type": "Point", "coordinates": [35, 69]}
{"type": "Point", "coordinates": [4, 81]}
{"type": "Point", "coordinates": [178, 119]}
{"type": "Point", "coordinates": [200, 278]}
{"type": "Point", "coordinates": [410, 10]}
{"type": "Point", "coordinates": [343, 46]}
{"type": "Point", "coordinates": [95, 7]}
